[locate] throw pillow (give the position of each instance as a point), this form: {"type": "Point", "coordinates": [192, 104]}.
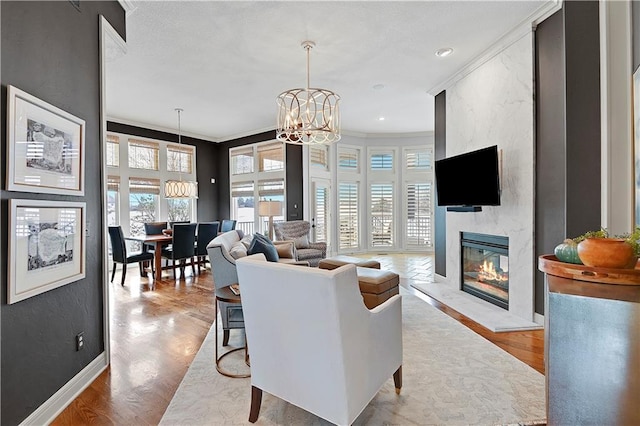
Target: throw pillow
{"type": "Point", "coordinates": [264, 246]}
{"type": "Point", "coordinates": [238, 250]}
{"type": "Point", "coordinates": [246, 240]}
{"type": "Point", "coordinates": [286, 250]}
{"type": "Point", "coordinates": [302, 242]}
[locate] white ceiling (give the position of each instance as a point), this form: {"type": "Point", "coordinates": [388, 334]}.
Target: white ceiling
{"type": "Point", "coordinates": [225, 62]}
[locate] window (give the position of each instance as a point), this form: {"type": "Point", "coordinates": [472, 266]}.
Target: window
{"type": "Point", "coordinates": [143, 203]}
{"type": "Point", "coordinates": [143, 154]}
{"type": "Point", "coordinates": [257, 173]}
{"type": "Point", "coordinates": [382, 161]}
{"type": "Point", "coordinates": [179, 210]}
{"type": "Point", "coordinates": [348, 160]}
{"type": "Point", "coordinates": [179, 158]}
{"type": "Point", "coordinates": [113, 200]}
{"type": "Point", "coordinates": [271, 157]}
{"type": "Point", "coordinates": [418, 222]}
{"type": "Point", "coordinates": [320, 219]}
{"type": "Point", "coordinates": [348, 214]}
{"type": "Point", "coordinates": [241, 160]}
{"type": "Point", "coordinates": [319, 157]}
{"type": "Point", "coordinates": [381, 195]}
{"type": "Point", "coordinates": [418, 160]}
{"type": "Point", "coordinates": [113, 151]}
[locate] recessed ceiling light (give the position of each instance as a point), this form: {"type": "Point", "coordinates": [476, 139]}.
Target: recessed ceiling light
{"type": "Point", "coordinates": [378, 86]}
{"type": "Point", "coordinates": [445, 51]}
{"type": "Point", "coordinates": [380, 118]}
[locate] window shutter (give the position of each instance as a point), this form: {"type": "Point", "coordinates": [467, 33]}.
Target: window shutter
{"type": "Point", "coordinates": [348, 214]}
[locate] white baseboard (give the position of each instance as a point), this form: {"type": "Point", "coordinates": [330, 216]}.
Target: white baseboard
{"type": "Point", "coordinates": [538, 319]}
{"type": "Point", "coordinates": [49, 410]}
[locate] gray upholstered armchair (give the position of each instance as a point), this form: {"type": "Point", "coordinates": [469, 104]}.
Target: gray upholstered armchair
{"type": "Point", "coordinates": [298, 232]}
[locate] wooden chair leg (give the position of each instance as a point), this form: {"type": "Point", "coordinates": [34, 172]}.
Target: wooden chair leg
{"type": "Point", "coordinates": [193, 267]}
{"type": "Point", "coordinates": [113, 274]}
{"type": "Point", "coordinates": [124, 273]}
{"type": "Point", "coordinates": [256, 401]}
{"type": "Point", "coordinates": [397, 379]}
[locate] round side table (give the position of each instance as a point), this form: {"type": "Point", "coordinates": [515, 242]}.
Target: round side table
{"type": "Point", "coordinates": [225, 294]}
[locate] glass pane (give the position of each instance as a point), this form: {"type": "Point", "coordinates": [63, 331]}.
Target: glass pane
{"type": "Point", "coordinates": [242, 196]}
{"type": "Point", "coordinates": [113, 151]}
{"type": "Point", "coordinates": [318, 157]}
{"type": "Point", "coordinates": [179, 160]}
{"type": "Point", "coordinates": [348, 214]}
{"type": "Point", "coordinates": [320, 229]}
{"type": "Point", "coordinates": [271, 157]}
{"type": "Point", "coordinates": [179, 210]}
{"type": "Point", "coordinates": [143, 208]}
{"type": "Point", "coordinates": [113, 202]}
{"type": "Point", "coordinates": [348, 160]}
{"type": "Point", "coordinates": [382, 162]}
{"type": "Point", "coordinates": [418, 225]}
{"type": "Point", "coordinates": [419, 159]}
{"type": "Point", "coordinates": [143, 155]}
{"type": "Point", "coordinates": [381, 215]}
{"type": "Point", "coordinates": [241, 161]}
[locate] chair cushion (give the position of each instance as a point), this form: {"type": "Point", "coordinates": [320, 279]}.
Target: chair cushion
{"type": "Point", "coordinates": [302, 242]}
{"type": "Point", "coordinates": [261, 244]}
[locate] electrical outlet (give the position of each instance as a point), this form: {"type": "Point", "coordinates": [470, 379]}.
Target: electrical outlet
{"type": "Point", "coordinates": [79, 341]}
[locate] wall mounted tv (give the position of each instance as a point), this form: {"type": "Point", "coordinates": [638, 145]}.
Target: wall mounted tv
{"type": "Point", "coordinates": [468, 181]}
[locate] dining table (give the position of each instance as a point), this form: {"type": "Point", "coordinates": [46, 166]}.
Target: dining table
{"type": "Point", "coordinates": [158, 242]}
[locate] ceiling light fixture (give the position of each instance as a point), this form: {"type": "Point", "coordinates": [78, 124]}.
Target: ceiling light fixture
{"type": "Point", "coordinates": [445, 51]}
{"type": "Point", "coordinates": [308, 116]}
{"type": "Point", "coordinates": [180, 188]}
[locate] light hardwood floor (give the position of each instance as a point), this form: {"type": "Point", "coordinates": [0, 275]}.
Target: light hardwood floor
{"type": "Point", "coordinates": [157, 330]}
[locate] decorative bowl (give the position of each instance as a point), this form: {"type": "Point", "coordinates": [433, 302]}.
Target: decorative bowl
{"type": "Point", "coordinates": [607, 253]}
{"type": "Point", "coordinates": [167, 232]}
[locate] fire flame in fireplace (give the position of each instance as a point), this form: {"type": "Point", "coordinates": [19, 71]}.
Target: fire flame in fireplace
{"type": "Point", "coordinates": [488, 273]}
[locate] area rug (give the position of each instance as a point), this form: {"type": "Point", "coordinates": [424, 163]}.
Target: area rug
{"type": "Point", "coordinates": [451, 376]}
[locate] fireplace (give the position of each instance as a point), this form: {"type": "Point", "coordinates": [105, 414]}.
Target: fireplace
{"type": "Point", "coordinates": [485, 267]}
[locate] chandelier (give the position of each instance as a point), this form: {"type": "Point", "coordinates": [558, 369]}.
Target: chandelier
{"type": "Point", "coordinates": [180, 188]}
{"type": "Point", "coordinates": [308, 116]}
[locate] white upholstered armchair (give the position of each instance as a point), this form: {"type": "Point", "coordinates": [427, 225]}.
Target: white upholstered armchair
{"type": "Point", "coordinates": [313, 343]}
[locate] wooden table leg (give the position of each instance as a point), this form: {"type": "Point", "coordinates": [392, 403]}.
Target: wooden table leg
{"type": "Point", "coordinates": [158, 260]}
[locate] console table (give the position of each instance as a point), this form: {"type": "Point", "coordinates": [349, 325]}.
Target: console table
{"type": "Point", "coordinates": [592, 343]}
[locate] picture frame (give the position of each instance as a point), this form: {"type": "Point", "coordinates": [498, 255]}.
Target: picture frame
{"type": "Point", "coordinates": [636, 144]}
{"type": "Point", "coordinates": [45, 146]}
{"type": "Point", "coordinates": [47, 246]}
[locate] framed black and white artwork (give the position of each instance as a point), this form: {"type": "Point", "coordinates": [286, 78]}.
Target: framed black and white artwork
{"type": "Point", "coordinates": [45, 146]}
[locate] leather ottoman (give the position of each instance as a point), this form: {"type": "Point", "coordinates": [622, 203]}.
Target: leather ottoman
{"type": "Point", "coordinates": [337, 261]}
{"type": "Point", "coordinates": [377, 286]}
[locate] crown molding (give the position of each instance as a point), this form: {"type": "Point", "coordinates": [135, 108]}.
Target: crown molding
{"type": "Point", "coordinates": [171, 130]}
{"type": "Point", "coordinates": [523, 28]}
{"type": "Point", "coordinates": [128, 6]}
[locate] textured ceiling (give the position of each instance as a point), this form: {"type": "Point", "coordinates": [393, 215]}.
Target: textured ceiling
{"type": "Point", "coordinates": [225, 62]}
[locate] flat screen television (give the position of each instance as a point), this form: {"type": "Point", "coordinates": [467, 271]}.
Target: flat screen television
{"type": "Point", "coordinates": [469, 179]}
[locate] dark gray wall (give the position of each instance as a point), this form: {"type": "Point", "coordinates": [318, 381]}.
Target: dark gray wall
{"type": "Point", "coordinates": [50, 49]}
{"type": "Point", "coordinates": [440, 216]}
{"type": "Point", "coordinates": [295, 201]}
{"type": "Point", "coordinates": [206, 158]}
{"type": "Point", "coordinates": [567, 128]}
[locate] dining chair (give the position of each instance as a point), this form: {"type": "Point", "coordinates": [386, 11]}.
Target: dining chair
{"type": "Point", "coordinates": [206, 232]}
{"type": "Point", "coordinates": [182, 246]}
{"type": "Point", "coordinates": [119, 254]}
{"type": "Point", "coordinates": [227, 225]}
{"type": "Point", "coordinates": [178, 222]}
{"type": "Point", "coordinates": [153, 228]}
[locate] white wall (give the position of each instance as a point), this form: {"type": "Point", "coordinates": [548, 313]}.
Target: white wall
{"type": "Point", "coordinates": [494, 105]}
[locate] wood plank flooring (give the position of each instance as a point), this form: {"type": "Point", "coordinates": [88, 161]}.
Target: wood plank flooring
{"type": "Point", "coordinates": [156, 332]}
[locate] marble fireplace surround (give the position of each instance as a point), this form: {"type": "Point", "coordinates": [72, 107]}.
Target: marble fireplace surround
{"type": "Point", "coordinates": [494, 105]}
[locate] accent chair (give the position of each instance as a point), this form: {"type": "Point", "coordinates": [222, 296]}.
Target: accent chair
{"type": "Point", "coordinates": [313, 342]}
{"type": "Point", "coordinates": [298, 232]}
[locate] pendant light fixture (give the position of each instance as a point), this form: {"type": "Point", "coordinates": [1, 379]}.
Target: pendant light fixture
{"type": "Point", "coordinates": [309, 115]}
{"type": "Point", "coordinates": [180, 188]}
